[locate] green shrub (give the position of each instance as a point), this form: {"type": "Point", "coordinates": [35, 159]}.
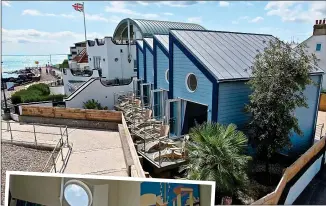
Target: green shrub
{"type": "Point", "coordinates": [16, 99]}
{"type": "Point", "coordinates": [92, 104]}
{"type": "Point", "coordinates": [35, 93]}
{"type": "Point", "coordinates": [56, 97]}
{"type": "Point", "coordinates": [43, 88]}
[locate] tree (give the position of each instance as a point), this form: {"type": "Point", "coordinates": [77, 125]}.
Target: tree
{"type": "Point", "coordinates": [279, 77]}
{"type": "Point", "coordinates": [64, 64]}
{"type": "Point", "coordinates": [217, 153]}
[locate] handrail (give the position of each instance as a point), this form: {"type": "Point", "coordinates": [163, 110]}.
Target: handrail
{"type": "Point", "coordinates": [58, 147]}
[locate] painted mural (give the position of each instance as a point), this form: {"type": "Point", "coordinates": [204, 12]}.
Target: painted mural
{"type": "Point", "coordinates": [169, 194]}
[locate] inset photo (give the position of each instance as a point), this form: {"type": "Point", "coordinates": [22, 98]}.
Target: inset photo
{"type": "Point", "coordinates": [53, 189]}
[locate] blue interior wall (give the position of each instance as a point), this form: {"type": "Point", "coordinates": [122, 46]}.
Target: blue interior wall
{"type": "Point", "coordinates": [140, 62]}
{"type": "Point", "coordinates": [149, 65]}
{"type": "Point", "coordinates": [162, 63]}
{"type": "Point", "coordinates": [182, 66]}
{"type": "Point", "coordinates": [231, 101]}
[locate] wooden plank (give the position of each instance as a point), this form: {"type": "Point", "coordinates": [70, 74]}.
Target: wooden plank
{"type": "Point", "coordinates": [103, 116]}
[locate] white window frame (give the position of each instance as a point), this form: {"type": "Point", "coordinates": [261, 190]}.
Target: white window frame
{"type": "Point", "coordinates": [82, 185]}
{"type": "Point", "coordinates": [166, 76]}
{"type": "Point", "coordinates": [186, 82]}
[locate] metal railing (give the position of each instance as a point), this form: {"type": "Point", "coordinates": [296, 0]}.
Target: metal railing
{"type": "Point", "coordinates": [57, 148]}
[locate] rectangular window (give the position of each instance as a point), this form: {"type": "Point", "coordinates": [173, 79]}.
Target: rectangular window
{"type": "Point", "coordinates": [318, 47]}
{"type": "Point", "coordinates": [135, 63]}
{"type": "Point", "coordinates": [97, 62]}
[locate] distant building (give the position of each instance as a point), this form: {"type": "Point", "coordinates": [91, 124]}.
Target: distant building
{"type": "Point", "coordinates": [316, 44]}
{"type": "Point", "coordinates": [75, 50]}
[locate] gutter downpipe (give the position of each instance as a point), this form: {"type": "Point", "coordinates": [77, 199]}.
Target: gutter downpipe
{"type": "Point", "coordinates": [129, 55]}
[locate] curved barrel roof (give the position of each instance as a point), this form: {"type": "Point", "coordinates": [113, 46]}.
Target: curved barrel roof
{"type": "Point", "coordinates": [148, 28]}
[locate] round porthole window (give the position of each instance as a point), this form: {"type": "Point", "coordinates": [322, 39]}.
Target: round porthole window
{"type": "Point", "coordinates": [77, 193]}
{"type": "Point", "coordinates": [191, 82]}
{"type": "Point", "coordinates": [167, 75]}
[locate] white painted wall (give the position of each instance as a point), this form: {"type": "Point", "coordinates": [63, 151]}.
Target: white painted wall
{"type": "Point", "coordinates": [108, 52]}
{"type": "Point", "coordinates": [36, 189]}
{"type": "Point", "coordinates": [69, 76]}
{"type": "Point", "coordinates": [129, 193]}
{"type": "Point", "coordinates": [205, 192]}
{"type": "Point", "coordinates": [96, 90]}
{"type": "Point", "coordinates": [311, 43]}
{"type": "Point", "coordinates": [57, 90]}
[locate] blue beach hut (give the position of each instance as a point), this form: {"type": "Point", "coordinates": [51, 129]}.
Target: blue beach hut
{"type": "Point", "coordinates": [161, 74]}
{"type": "Point", "coordinates": [208, 75]}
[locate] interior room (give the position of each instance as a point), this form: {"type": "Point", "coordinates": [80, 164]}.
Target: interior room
{"type": "Point", "coordinates": [34, 190]}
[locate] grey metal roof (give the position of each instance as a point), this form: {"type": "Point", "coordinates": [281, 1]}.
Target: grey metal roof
{"type": "Point", "coordinates": [226, 55]}
{"type": "Point", "coordinates": [149, 41]}
{"type": "Point", "coordinates": [148, 28]}
{"type": "Point", "coordinates": [164, 40]}
{"type": "Point", "coordinates": [140, 43]}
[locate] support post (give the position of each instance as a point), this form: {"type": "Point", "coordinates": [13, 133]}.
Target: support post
{"type": "Point", "coordinates": [34, 134]}
{"type": "Point", "coordinates": [10, 132]}
{"type": "Point", "coordinates": [53, 161]}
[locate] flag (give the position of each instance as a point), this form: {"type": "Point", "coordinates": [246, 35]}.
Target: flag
{"type": "Point", "coordinates": [78, 7]}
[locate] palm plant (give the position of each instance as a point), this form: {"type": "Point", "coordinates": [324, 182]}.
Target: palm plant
{"type": "Point", "coordinates": [92, 104]}
{"type": "Point", "coordinates": [217, 153]}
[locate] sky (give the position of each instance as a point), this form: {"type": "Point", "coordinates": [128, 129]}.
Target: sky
{"type": "Point", "coordinates": [51, 27]}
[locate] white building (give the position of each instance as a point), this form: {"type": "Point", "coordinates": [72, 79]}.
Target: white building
{"type": "Point", "coordinates": [74, 50]}
{"type": "Point", "coordinates": [316, 44]}
{"type": "Point", "coordinates": [116, 61]}
{"type": "Point", "coordinates": [112, 61]}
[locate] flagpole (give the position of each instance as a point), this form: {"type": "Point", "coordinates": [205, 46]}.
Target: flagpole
{"type": "Point", "coordinates": [84, 22]}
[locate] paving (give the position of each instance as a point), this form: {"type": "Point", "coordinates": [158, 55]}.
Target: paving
{"type": "Point", "coordinates": [93, 151]}
{"type": "Point", "coordinates": [321, 120]}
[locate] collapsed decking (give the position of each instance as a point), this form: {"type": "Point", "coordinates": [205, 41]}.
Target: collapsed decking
{"type": "Point", "coordinates": [209, 70]}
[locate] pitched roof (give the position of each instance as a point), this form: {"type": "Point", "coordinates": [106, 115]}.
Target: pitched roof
{"type": "Point", "coordinates": [148, 28]}
{"type": "Point", "coordinates": [149, 42]}
{"type": "Point", "coordinates": [226, 55]}
{"type": "Point", "coordinates": [164, 40]}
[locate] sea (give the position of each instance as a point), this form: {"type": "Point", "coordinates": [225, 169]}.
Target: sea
{"type": "Point", "coordinates": [16, 62]}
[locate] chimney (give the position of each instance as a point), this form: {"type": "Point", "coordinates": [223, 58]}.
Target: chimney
{"type": "Point", "coordinates": [319, 28]}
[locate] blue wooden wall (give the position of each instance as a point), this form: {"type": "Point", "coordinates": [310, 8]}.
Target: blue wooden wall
{"type": "Point", "coordinates": [149, 66]}
{"type": "Point", "coordinates": [140, 61]}
{"type": "Point", "coordinates": [162, 66]}
{"type": "Point", "coordinates": [182, 66]}
{"type": "Point", "coordinates": [232, 97]}
{"type": "Point", "coordinates": [307, 117]}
